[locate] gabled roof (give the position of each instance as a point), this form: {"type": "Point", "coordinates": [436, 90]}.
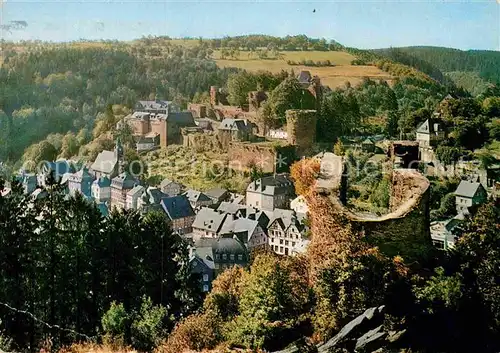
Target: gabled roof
{"type": "Point", "coordinates": [124, 181]}
{"type": "Point", "coordinates": [209, 220]}
{"type": "Point", "coordinates": [230, 207]}
{"type": "Point", "coordinates": [138, 189]}
{"type": "Point", "coordinates": [83, 175]}
{"type": "Point", "coordinates": [103, 182]}
{"type": "Point", "coordinates": [177, 207]}
{"type": "Point", "coordinates": [234, 124]}
{"type": "Point", "coordinates": [304, 76]}
{"type": "Point", "coordinates": [58, 167]}
{"type": "Point", "coordinates": [229, 246]}
{"type": "Point", "coordinates": [167, 182]}
{"type": "Point", "coordinates": [152, 196]}
{"type": "Point", "coordinates": [216, 193]}
{"type": "Point", "coordinates": [181, 118]}
{"type": "Point", "coordinates": [204, 256]}
{"type": "Point", "coordinates": [240, 225]}
{"type": "Point", "coordinates": [105, 162]}
{"type": "Point", "coordinates": [272, 185]}
{"type": "Point", "coordinates": [156, 104]}
{"type": "Point", "coordinates": [286, 218]}
{"type": "Point", "coordinates": [468, 189]}
{"type": "Point", "coordinates": [368, 141]}
{"type": "Point", "coordinates": [196, 196]}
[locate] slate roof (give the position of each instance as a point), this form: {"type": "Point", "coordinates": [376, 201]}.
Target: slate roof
{"type": "Point", "coordinates": [59, 168]}
{"type": "Point", "coordinates": [233, 124]}
{"type": "Point", "coordinates": [216, 193]}
{"type": "Point", "coordinates": [155, 104]}
{"type": "Point", "coordinates": [124, 181]}
{"type": "Point", "coordinates": [181, 118]}
{"type": "Point", "coordinates": [177, 207]}
{"type": "Point", "coordinates": [367, 142]}
{"type": "Point", "coordinates": [105, 162]}
{"type": "Point", "coordinates": [240, 225]}
{"type": "Point", "coordinates": [138, 189]}
{"type": "Point", "coordinates": [204, 255]}
{"type": "Point", "coordinates": [103, 208]}
{"type": "Point", "coordinates": [428, 127]}
{"type": "Point", "coordinates": [228, 246]}
{"type": "Point", "coordinates": [209, 220]}
{"type": "Point", "coordinates": [81, 176]}
{"type": "Point", "coordinates": [152, 195]}
{"type": "Point", "coordinates": [272, 185]}
{"type": "Point", "coordinates": [467, 189]}
{"type": "Point", "coordinates": [103, 182]}
{"type": "Point", "coordinates": [196, 196]}
{"type": "Point", "coordinates": [230, 207]}
{"type": "Point", "coordinates": [286, 218]}
{"type": "Point", "coordinates": [166, 182]}
{"type": "Point", "coordinates": [304, 76]}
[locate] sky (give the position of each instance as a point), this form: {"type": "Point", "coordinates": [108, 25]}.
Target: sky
{"type": "Point", "coordinates": [462, 24]}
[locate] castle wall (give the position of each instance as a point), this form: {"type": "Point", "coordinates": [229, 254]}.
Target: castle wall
{"type": "Point", "coordinates": [404, 231]}
{"type": "Point", "coordinates": [243, 155]}
{"type": "Point", "coordinates": [160, 127]}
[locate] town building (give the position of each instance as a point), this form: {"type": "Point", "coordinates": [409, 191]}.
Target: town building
{"type": "Point", "coordinates": [208, 223]}
{"type": "Point", "coordinates": [156, 106]}
{"type": "Point", "coordinates": [202, 264]}
{"type": "Point", "coordinates": [147, 142]}
{"type": "Point", "coordinates": [270, 192]}
{"type": "Point", "coordinates": [108, 163]}
{"type": "Point", "coordinates": [101, 189]}
{"type": "Point", "coordinates": [150, 200]}
{"type": "Point", "coordinates": [197, 199]}
{"type": "Point", "coordinates": [248, 231]}
{"type": "Point", "coordinates": [234, 130]}
{"type": "Point", "coordinates": [133, 197]}
{"type": "Point", "coordinates": [171, 188]}
{"type": "Point", "coordinates": [29, 182]}
{"type": "Point", "coordinates": [469, 194]}
{"type": "Point", "coordinates": [55, 169]}
{"type": "Point", "coordinates": [81, 182]}
{"type": "Point", "coordinates": [150, 119]}
{"type": "Point", "coordinates": [180, 213]}
{"type": "Point", "coordinates": [429, 134]}
{"type": "Point", "coordinates": [299, 205]}
{"type": "Point", "coordinates": [120, 186]}
{"type": "Point", "coordinates": [218, 195]}
{"type": "Point", "coordinates": [368, 146]}
{"type": "Point", "coordinates": [285, 232]}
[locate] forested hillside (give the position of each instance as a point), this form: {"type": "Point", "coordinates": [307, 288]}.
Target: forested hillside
{"type": "Point", "coordinates": [437, 61]}
{"type": "Point", "coordinates": [55, 90]}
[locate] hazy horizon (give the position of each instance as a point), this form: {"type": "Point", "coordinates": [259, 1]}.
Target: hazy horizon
{"type": "Point", "coordinates": [362, 24]}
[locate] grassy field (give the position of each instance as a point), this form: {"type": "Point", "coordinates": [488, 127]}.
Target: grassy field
{"type": "Point", "coordinates": [333, 76]}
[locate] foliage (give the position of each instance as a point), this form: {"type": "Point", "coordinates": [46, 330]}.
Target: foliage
{"type": "Point", "coordinates": [238, 86]}
{"type": "Point", "coordinates": [289, 94]}
{"type": "Point", "coordinates": [38, 153]}
{"type": "Point", "coordinates": [58, 244]}
{"type": "Point", "coordinates": [338, 148]}
{"type": "Point", "coordinates": [304, 174]}
{"type": "Point", "coordinates": [448, 155]}
{"type": "Point", "coordinates": [147, 328]}
{"type": "Point", "coordinates": [114, 321]}
{"type": "Point", "coordinates": [447, 208]}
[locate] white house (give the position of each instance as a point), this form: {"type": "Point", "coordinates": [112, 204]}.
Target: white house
{"type": "Point", "coordinates": [299, 205]}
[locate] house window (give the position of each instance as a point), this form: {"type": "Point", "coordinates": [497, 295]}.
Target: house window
{"type": "Point", "coordinates": [257, 203]}
{"type": "Point", "coordinates": [293, 243]}
{"type": "Point", "coordinates": [205, 288]}
{"type": "Point", "coordinates": [286, 242]}
{"type": "Point", "coordinates": [240, 257]}
{"type": "Point", "coordinates": [281, 249]}
{"type": "Point", "coordinates": [205, 278]}
{"type": "Point", "coordinates": [217, 256]}
{"type": "Point", "coordinates": [224, 257]}
{"type": "Point", "coordinates": [272, 240]}
{"type": "Point", "coordinates": [281, 241]}
{"type": "Point", "coordinates": [232, 257]}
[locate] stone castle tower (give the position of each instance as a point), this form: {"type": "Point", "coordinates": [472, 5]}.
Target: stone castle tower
{"type": "Point", "coordinates": [301, 128]}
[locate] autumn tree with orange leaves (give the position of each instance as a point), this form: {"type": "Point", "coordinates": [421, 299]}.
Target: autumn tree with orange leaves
{"type": "Point", "coordinates": [304, 174]}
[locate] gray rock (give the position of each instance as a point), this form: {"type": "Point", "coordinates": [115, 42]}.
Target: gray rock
{"type": "Point", "coordinates": [377, 335]}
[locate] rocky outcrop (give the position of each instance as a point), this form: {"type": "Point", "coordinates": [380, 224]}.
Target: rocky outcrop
{"type": "Point", "coordinates": [365, 333]}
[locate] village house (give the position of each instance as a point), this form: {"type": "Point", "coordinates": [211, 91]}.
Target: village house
{"type": "Point", "coordinates": [208, 223]}
{"type": "Point", "coordinates": [235, 130]}
{"type": "Point", "coordinates": [299, 205]}
{"type": "Point", "coordinates": [202, 264]}
{"type": "Point", "coordinates": [133, 197]}
{"type": "Point", "coordinates": [171, 188]}
{"type": "Point", "coordinates": [120, 186]}
{"type": "Point", "coordinates": [29, 182]}
{"type": "Point", "coordinates": [101, 189]}
{"type": "Point", "coordinates": [247, 230]}
{"type": "Point", "coordinates": [469, 194]}
{"type": "Point", "coordinates": [197, 199]}
{"type": "Point", "coordinates": [108, 163]}
{"type": "Point", "coordinates": [56, 169]}
{"type": "Point", "coordinates": [270, 192]}
{"type": "Point", "coordinates": [81, 182]}
{"type": "Point", "coordinates": [147, 142]}
{"type": "Point", "coordinates": [429, 134]}
{"type": "Point", "coordinates": [180, 213]}
{"type": "Point", "coordinates": [218, 195]}
{"type": "Point", "coordinates": [285, 232]}
{"type": "Point", "coordinates": [150, 200]}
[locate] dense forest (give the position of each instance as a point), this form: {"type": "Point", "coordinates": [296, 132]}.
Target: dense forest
{"type": "Point", "coordinates": [56, 90]}
{"type": "Point", "coordinates": [437, 61]}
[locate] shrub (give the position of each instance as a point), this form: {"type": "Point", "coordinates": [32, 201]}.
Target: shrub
{"type": "Point", "coordinates": [147, 328]}
{"type": "Point", "coordinates": [114, 323]}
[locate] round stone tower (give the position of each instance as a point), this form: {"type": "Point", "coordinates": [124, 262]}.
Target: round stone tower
{"type": "Point", "coordinates": [301, 128]}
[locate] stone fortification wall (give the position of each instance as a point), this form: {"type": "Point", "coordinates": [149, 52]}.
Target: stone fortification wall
{"type": "Point", "coordinates": [270, 158]}
{"type": "Point", "coordinates": [404, 231]}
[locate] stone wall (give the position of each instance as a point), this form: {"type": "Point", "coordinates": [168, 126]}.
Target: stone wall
{"type": "Point", "coordinates": [268, 157]}
{"type": "Point", "coordinates": [404, 231]}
